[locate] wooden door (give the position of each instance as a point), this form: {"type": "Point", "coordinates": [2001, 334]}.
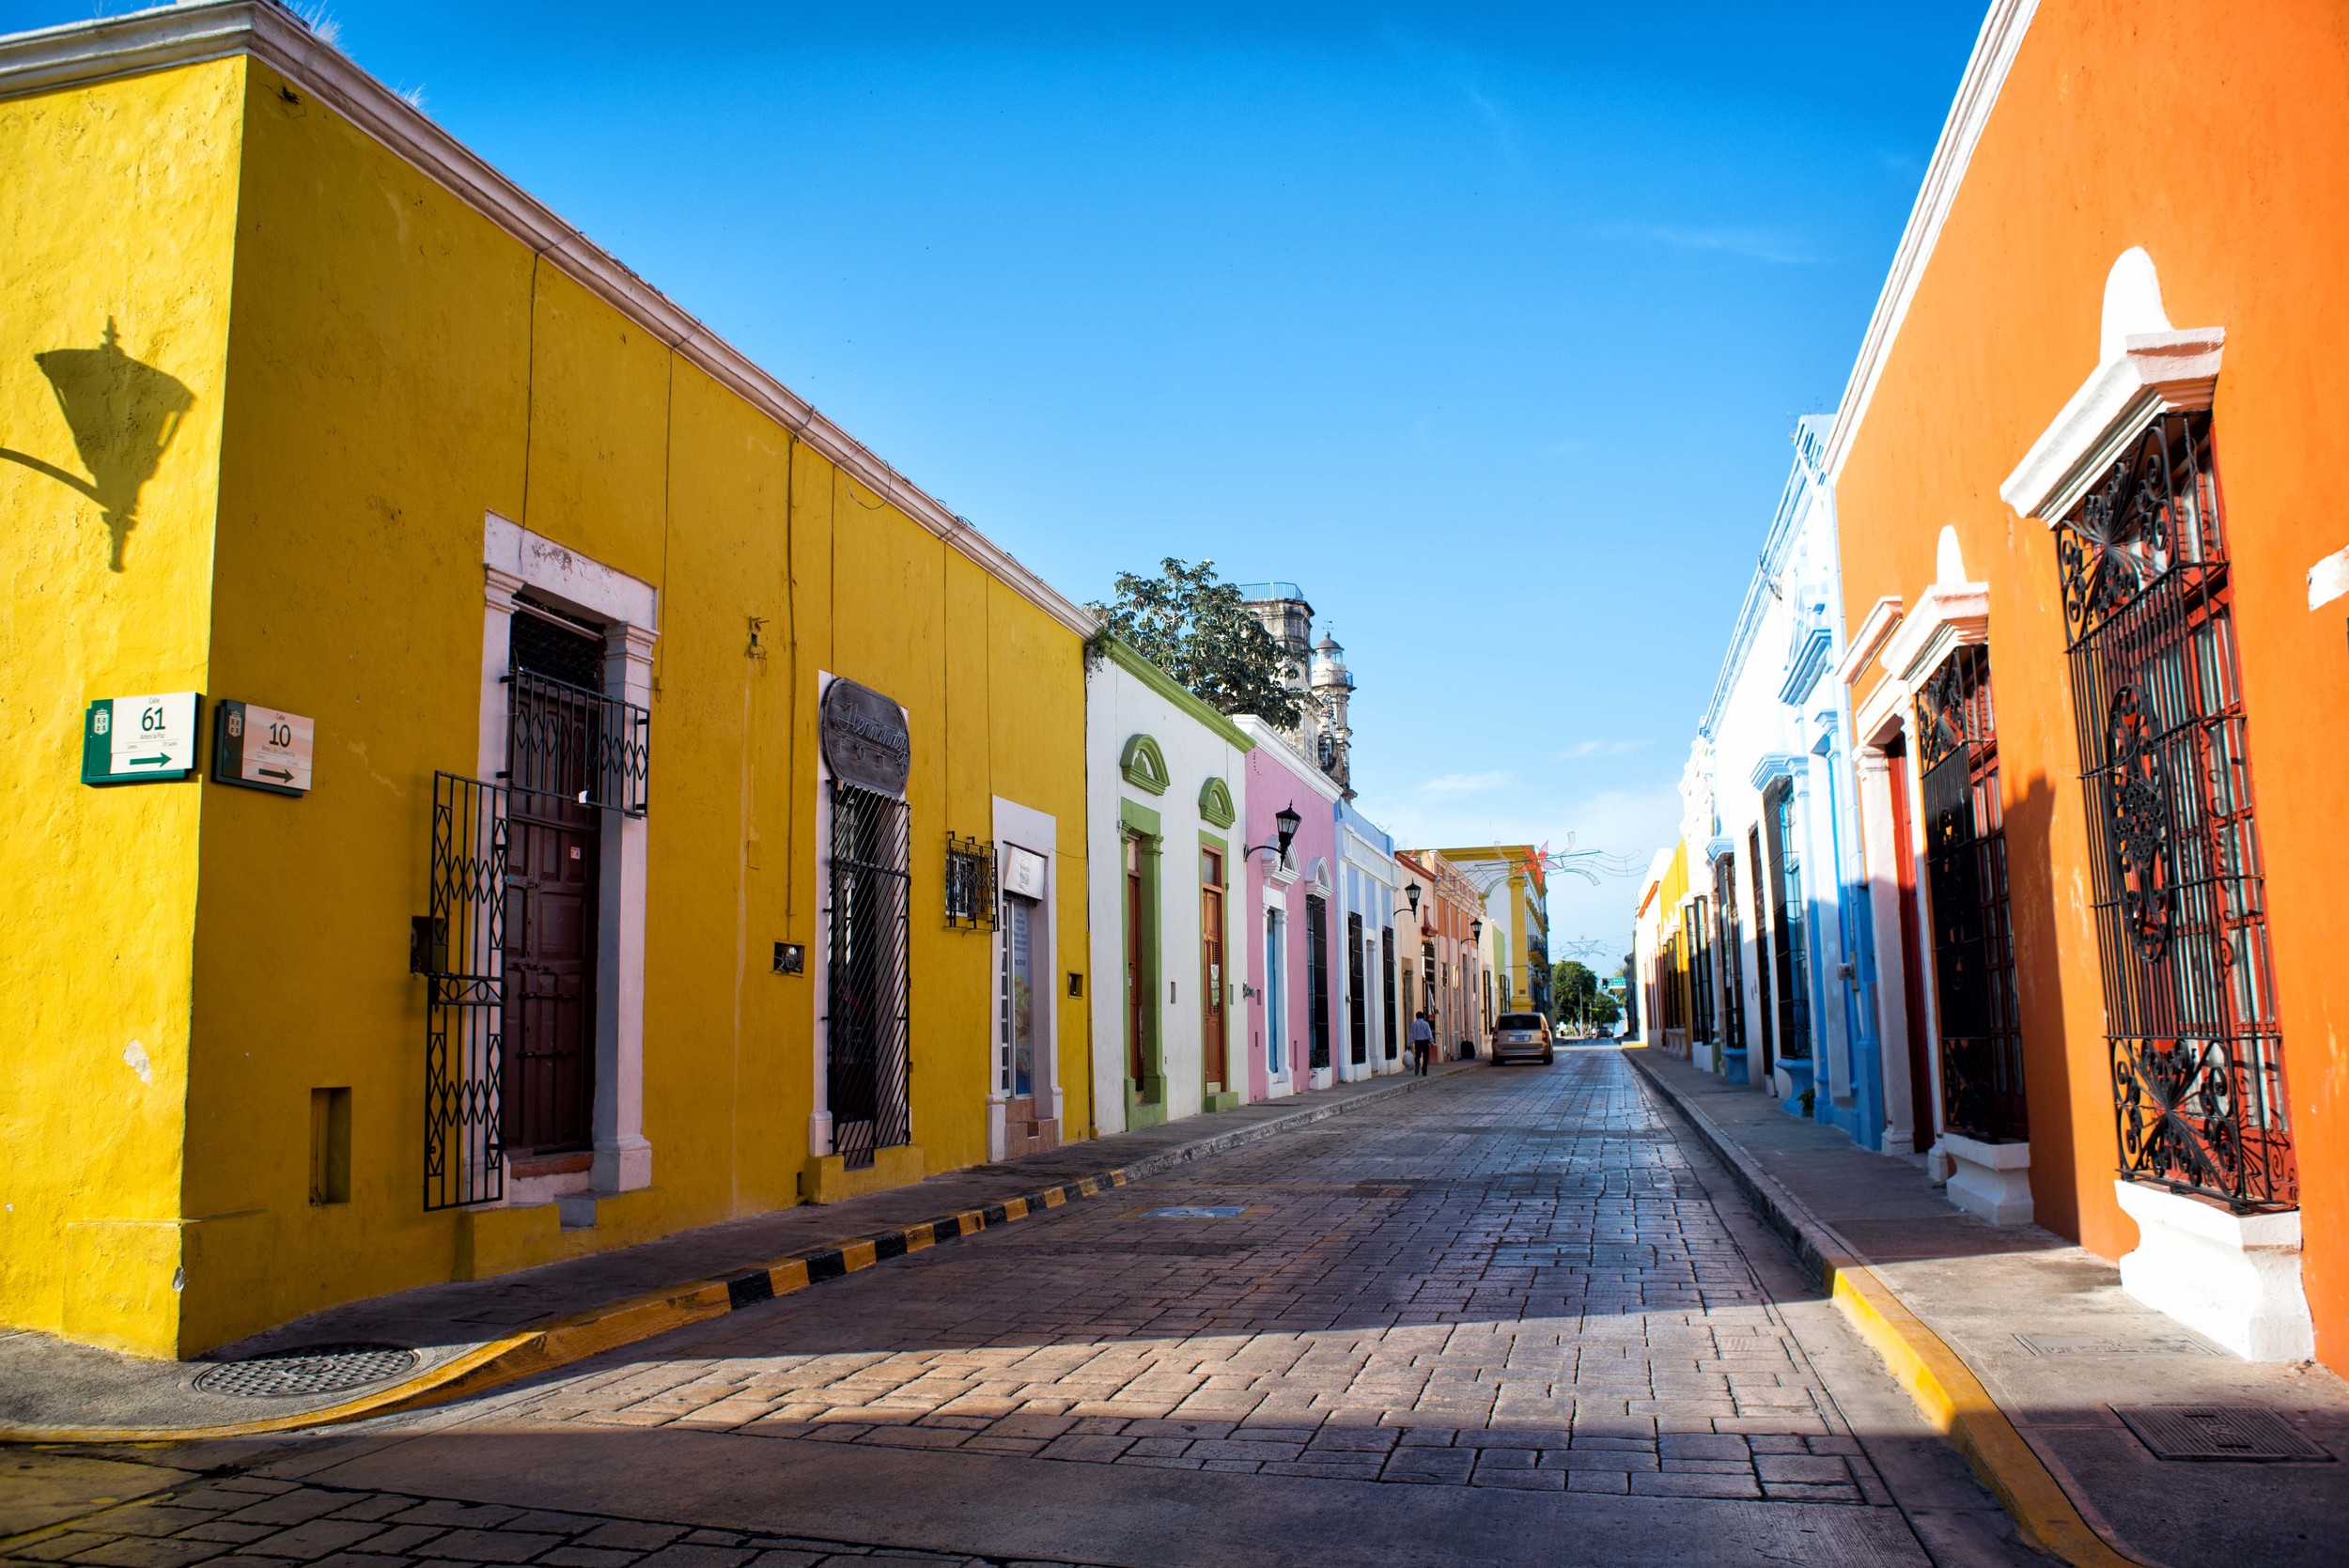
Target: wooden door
{"type": "Point", "coordinates": [549, 1093]}
{"type": "Point", "coordinates": [1214, 1039]}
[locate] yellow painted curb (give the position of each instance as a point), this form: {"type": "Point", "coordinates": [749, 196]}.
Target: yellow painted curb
{"type": "Point", "coordinates": [1952, 1398]}
{"type": "Point", "coordinates": [1945, 1389]}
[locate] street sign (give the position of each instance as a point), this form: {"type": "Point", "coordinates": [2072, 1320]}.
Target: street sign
{"type": "Point", "coordinates": [139, 739]}
{"type": "Point", "coordinates": [261, 748]}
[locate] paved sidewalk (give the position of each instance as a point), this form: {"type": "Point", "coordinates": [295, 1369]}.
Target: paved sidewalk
{"type": "Point", "coordinates": [47, 1384]}
{"type": "Point", "coordinates": [2048, 1329]}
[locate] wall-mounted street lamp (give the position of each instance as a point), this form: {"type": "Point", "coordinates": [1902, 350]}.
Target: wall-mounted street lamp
{"type": "Point", "coordinates": [1286, 822]}
{"type": "Point", "coordinates": [1411, 893]}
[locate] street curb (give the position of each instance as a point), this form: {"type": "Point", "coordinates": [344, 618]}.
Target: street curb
{"type": "Point", "coordinates": [1945, 1388]}
{"type": "Point", "coordinates": [641, 1317]}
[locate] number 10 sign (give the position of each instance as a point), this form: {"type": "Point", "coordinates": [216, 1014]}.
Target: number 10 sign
{"type": "Point", "coordinates": [261, 748]}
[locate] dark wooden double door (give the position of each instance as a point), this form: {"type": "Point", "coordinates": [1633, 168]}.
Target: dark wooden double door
{"type": "Point", "coordinates": [548, 1091]}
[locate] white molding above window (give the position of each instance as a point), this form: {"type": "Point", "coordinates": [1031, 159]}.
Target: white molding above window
{"type": "Point", "coordinates": [2159, 373]}
{"type": "Point", "coordinates": [1884, 616]}
{"type": "Point", "coordinates": [1948, 615]}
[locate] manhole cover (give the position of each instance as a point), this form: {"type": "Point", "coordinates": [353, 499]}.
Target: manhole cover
{"type": "Point", "coordinates": [2216, 1432]}
{"type": "Point", "coordinates": [1192, 1211]}
{"type": "Point", "coordinates": [2097, 1344]}
{"type": "Point", "coordinates": [319, 1369]}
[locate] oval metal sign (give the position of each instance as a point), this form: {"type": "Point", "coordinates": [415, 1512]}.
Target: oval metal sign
{"type": "Point", "coordinates": [864, 737]}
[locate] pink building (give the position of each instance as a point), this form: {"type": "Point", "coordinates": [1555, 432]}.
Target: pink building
{"type": "Point", "coordinates": [1293, 950]}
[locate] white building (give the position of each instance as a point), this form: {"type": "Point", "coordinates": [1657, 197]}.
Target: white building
{"type": "Point", "coordinates": [1775, 887]}
{"type": "Point", "coordinates": [1165, 798]}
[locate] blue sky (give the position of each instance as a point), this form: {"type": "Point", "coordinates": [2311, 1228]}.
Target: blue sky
{"type": "Point", "coordinates": [1486, 324]}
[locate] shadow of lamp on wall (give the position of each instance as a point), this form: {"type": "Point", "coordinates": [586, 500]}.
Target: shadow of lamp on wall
{"type": "Point", "coordinates": [123, 415]}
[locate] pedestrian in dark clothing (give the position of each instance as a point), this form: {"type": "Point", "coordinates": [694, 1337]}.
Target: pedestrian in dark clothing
{"type": "Point", "coordinates": [1423, 1041]}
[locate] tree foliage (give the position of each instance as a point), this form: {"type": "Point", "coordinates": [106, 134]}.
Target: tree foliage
{"type": "Point", "coordinates": [1191, 624]}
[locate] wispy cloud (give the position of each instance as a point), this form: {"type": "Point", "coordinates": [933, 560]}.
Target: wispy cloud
{"type": "Point", "coordinates": [1582, 748]}
{"type": "Point", "coordinates": [1758, 245]}
{"type": "Point", "coordinates": [1454, 784]}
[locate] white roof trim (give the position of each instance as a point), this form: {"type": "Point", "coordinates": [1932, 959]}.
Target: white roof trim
{"type": "Point", "coordinates": [2159, 373]}
{"type": "Point", "coordinates": [1995, 48]}
{"type": "Point", "coordinates": [55, 58]}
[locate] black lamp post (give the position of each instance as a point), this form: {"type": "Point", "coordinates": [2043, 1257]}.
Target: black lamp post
{"type": "Point", "coordinates": [1286, 822]}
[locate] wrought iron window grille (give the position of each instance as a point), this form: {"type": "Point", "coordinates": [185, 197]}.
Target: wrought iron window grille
{"type": "Point", "coordinates": [459, 949]}
{"type": "Point", "coordinates": [1973, 935]}
{"type": "Point", "coordinates": [971, 900]}
{"type": "Point", "coordinates": [2180, 905]}
{"type": "Point", "coordinates": [868, 1026]}
{"type": "Point", "coordinates": [577, 743]}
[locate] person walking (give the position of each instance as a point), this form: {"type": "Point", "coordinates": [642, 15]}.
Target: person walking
{"type": "Point", "coordinates": [1423, 1040]}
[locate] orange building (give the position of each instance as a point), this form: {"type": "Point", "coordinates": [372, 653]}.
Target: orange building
{"type": "Point", "coordinates": [2086, 478]}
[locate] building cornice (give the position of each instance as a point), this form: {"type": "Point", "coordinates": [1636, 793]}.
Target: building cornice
{"type": "Point", "coordinates": [1995, 48]}
{"type": "Point", "coordinates": [1130, 659]}
{"type": "Point", "coordinates": [1264, 735]}
{"type": "Point", "coordinates": [82, 53]}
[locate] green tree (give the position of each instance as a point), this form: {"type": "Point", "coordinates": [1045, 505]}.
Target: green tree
{"type": "Point", "coordinates": [1191, 624]}
{"type": "Point", "coordinates": [1571, 988]}
{"type": "Point", "coordinates": [1605, 1009]}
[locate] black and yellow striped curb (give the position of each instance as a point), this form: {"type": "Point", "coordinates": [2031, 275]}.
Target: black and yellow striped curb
{"type": "Point", "coordinates": [1946, 1391]}
{"type": "Point", "coordinates": [575, 1337]}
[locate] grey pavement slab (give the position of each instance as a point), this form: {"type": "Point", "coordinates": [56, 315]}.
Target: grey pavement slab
{"type": "Point", "coordinates": [2058, 1343]}
{"type": "Point", "coordinates": [48, 1383]}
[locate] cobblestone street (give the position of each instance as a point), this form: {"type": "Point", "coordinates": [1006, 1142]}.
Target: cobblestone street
{"type": "Point", "coordinates": [1515, 1303]}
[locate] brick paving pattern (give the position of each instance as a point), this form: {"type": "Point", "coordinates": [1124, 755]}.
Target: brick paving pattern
{"type": "Point", "coordinates": [1513, 1279]}
{"type": "Point", "coordinates": [252, 1522]}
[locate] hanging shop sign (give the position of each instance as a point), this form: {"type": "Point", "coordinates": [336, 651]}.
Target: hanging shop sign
{"type": "Point", "coordinates": [866, 741]}
{"type": "Point", "coordinates": [1023, 872]}
{"type": "Point", "coordinates": [139, 739]}
{"type": "Point", "coordinates": [261, 748]}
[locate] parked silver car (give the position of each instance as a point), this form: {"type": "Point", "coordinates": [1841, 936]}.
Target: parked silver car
{"type": "Point", "coordinates": [1522, 1037]}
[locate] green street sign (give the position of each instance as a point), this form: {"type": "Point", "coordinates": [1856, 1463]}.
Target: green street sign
{"type": "Point", "coordinates": [140, 739]}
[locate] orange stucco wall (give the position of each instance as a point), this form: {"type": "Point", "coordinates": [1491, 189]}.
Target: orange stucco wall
{"type": "Point", "coordinates": [2217, 139]}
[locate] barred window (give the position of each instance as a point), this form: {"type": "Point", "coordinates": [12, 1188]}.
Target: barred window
{"type": "Point", "coordinates": [2181, 906]}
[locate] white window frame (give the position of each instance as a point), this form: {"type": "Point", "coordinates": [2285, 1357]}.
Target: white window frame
{"type": "Point", "coordinates": [515, 559]}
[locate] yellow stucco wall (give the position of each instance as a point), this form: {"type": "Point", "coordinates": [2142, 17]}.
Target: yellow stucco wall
{"type": "Point", "coordinates": [116, 206]}
{"type": "Point", "coordinates": [399, 367]}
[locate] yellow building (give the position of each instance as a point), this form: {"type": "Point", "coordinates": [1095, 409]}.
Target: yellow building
{"type": "Point", "coordinates": [589, 670]}
{"type": "Point", "coordinates": [1514, 881]}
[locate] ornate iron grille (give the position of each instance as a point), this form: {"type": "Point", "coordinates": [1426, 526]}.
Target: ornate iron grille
{"type": "Point", "coordinates": [1726, 939]}
{"type": "Point", "coordinates": [969, 884]}
{"type": "Point", "coordinates": [1386, 946]}
{"type": "Point", "coordinates": [867, 1022]}
{"type": "Point", "coordinates": [1317, 978]}
{"type": "Point", "coordinates": [462, 961]}
{"type": "Point", "coordinates": [2181, 904]}
{"type": "Point", "coordinates": [1789, 926]}
{"type": "Point", "coordinates": [1973, 938]}
{"type": "Point", "coordinates": [577, 743]}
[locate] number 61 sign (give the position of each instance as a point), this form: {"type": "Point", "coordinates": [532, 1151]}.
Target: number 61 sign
{"type": "Point", "coordinates": [261, 748]}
